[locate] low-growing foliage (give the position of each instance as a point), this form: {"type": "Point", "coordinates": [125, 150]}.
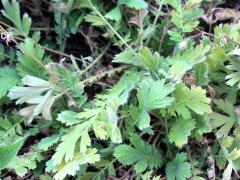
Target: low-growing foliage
{"type": "Point", "coordinates": [156, 97]}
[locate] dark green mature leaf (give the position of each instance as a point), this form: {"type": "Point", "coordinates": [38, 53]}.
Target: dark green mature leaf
{"type": "Point", "coordinates": [202, 125]}
{"type": "Point", "coordinates": [224, 123]}
{"type": "Point", "coordinates": [25, 163]}
{"type": "Point", "coordinates": [8, 79]}
{"type": "Point", "coordinates": [136, 4]}
{"type": "Point", "coordinates": [2, 54]}
{"type": "Point", "coordinates": [178, 168]}
{"type": "Point", "coordinates": [8, 152]}
{"type": "Point", "coordinates": [31, 59]}
{"type": "Point", "coordinates": [141, 154]}
{"type": "Point", "coordinates": [75, 20]}
{"type": "Point", "coordinates": [116, 14]}
{"type": "Point", "coordinates": [201, 73]}
{"type": "Point", "coordinates": [83, 3]}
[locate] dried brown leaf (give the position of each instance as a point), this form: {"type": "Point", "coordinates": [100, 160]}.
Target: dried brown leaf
{"type": "Point", "coordinates": [220, 14]}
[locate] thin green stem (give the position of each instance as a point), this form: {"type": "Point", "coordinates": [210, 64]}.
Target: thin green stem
{"type": "Point", "coordinates": [166, 126]}
{"type": "Point", "coordinates": [44, 47]}
{"type": "Point", "coordinates": [95, 61]}
{"type": "Point", "coordinates": [158, 13]}
{"type": "Point", "coordinates": [141, 35]}
{"type": "Point", "coordinates": [156, 19]}
{"type": "Point", "coordinates": [102, 170]}
{"type": "Point", "coordinates": [110, 26]}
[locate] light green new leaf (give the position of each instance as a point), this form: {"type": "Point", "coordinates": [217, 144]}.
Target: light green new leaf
{"type": "Point", "coordinates": [112, 124]}
{"type": "Point", "coordinates": [152, 95]}
{"type": "Point", "coordinates": [193, 98]}
{"type": "Point", "coordinates": [70, 168]}
{"type": "Point", "coordinates": [8, 152]}
{"type": "Point", "coordinates": [180, 131]}
{"type": "Point", "coordinates": [38, 94]}
{"type": "Point", "coordinates": [65, 150]}
{"type": "Point", "coordinates": [8, 79]}
{"type": "Point", "coordinates": [149, 60]}
{"type": "Point", "coordinates": [32, 93]}
{"type": "Point", "coordinates": [234, 77]}
{"type": "Point", "coordinates": [12, 12]}
{"type": "Point", "coordinates": [228, 171]}
{"type": "Point", "coordinates": [100, 131]}
{"type": "Point", "coordinates": [68, 117]}
{"type": "Point", "coordinates": [178, 168]}
{"type": "Point", "coordinates": [114, 14]}
{"type": "Point", "coordinates": [84, 142]}
{"type": "Point", "coordinates": [143, 120]}
{"type": "Point", "coordinates": [186, 61]}
{"type": "Point", "coordinates": [95, 20]}
{"type": "Point", "coordinates": [48, 142]}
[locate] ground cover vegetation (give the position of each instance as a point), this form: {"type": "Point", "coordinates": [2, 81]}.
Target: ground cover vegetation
{"type": "Point", "coordinates": [122, 89]}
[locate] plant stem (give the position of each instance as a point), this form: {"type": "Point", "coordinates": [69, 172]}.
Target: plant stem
{"type": "Point", "coordinates": [110, 26]}
{"type": "Point", "coordinates": [165, 29]}
{"type": "Point", "coordinates": [156, 18]}
{"type": "Point", "coordinates": [105, 167]}
{"type": "Point", "coordinates": [166, 126]}
{"type": "Point", "coordinates": [99, 76]}
{"type": "Point", "coordinates": [95, 61]}
{"type": "Point", "coordinates": [44, 47]}
{"type": "Point", "coordinates": [158, 13]}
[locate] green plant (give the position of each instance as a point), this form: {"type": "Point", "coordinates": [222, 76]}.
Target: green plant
{"type": "Point", "coordinates": [158, 101]}
{"type": "Point", "coordinates": [178, 168]}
